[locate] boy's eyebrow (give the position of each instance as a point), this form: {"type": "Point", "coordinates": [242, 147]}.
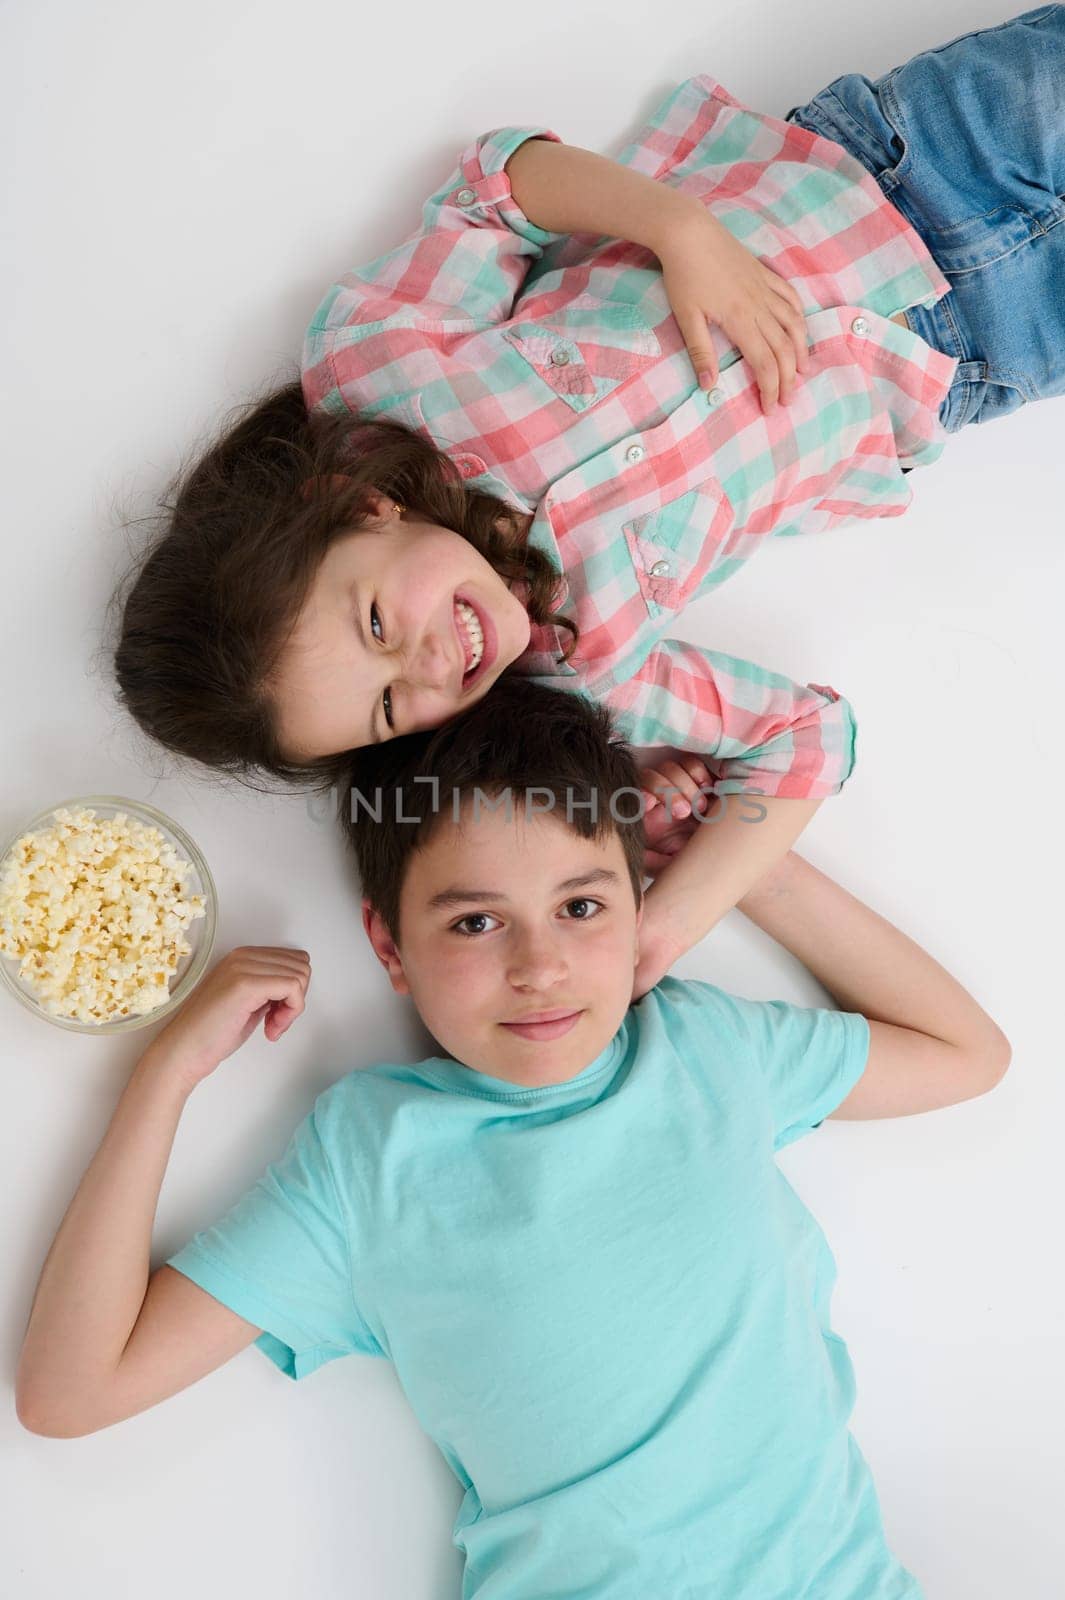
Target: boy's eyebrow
{"type": "Point", "coordinates": [460, 897]}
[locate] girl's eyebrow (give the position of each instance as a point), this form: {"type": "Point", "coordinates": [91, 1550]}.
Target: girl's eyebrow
{"type": "Point", "coordinates": [461, 897]}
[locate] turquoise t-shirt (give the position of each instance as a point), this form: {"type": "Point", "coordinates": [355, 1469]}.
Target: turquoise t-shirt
{"type": "Point", "coordinates": [603, 1299]}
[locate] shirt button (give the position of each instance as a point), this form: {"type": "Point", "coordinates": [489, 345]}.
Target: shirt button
{"type": "Point", "coordinates": [860, 327]}
{"type": "Point", "coordinates": [660, 569]}
{"type": "Point", "coordinates": [714, 397]}
{"type": "Point", "coordinates": [560, 358]}
{"type": "Point", "coordinates": [633, 454]}
{"type": "Point", "coordinates": [465, 197]}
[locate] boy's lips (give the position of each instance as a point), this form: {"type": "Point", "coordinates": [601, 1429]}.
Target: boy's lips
{"type": "Point", "coordinates": [544, 1024]}
{"type": "Point", "coordinates": [546, 1016]}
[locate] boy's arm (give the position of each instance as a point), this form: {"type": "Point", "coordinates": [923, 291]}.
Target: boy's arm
{"type": "Point", "coordinates": [931, 1044]}
{"type": "Point", "coordinates": [723, 859]}
{"type": "Point", "coordinates": [101, 1343]}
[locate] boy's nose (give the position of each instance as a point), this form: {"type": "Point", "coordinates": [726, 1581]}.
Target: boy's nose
{"type": "Point", "coordinates": [536, 964]}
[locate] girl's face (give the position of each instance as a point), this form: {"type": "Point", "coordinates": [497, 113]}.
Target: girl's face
{"type": "Point", "coordinates": [386, 644]}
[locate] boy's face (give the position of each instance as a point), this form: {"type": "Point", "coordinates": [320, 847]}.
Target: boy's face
{"type": "Point", "coordinates": [532, 942]}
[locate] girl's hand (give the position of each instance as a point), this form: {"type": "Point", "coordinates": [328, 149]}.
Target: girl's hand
{"type": "Point", "coordinates": [710, 277]}
{"type": "Point", "coordinates": [250, 983]}
{"type": "Point", "coordinates": [669, 821]}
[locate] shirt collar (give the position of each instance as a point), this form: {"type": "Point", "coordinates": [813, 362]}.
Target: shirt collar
{"type": "Point", "coordinates": [542, 656]}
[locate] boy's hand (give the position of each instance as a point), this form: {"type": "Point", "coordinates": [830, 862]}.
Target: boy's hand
{"type": "Point", "coordinates": [710, 277]}
{"type": "Point", "coordinates": [669, 821]}
{"type": "Point", "coordinates": [250, 983]}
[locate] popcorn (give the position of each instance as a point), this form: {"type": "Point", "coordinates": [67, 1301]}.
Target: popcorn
{"type": "Point", "coordinates": [95, 911]}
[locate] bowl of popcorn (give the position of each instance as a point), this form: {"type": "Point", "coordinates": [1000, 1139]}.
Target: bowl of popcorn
{"type": "Point", "coordinates": [107, 914]}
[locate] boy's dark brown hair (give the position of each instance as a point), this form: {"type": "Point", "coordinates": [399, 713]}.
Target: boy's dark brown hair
{"type": "Point", "coordinates": [521, 737]}
{"type": "Point", "coordinates": [202, 617]}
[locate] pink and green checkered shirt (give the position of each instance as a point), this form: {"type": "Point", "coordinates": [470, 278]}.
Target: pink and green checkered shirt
{"type": "Point", "coordinates": [550, 369]}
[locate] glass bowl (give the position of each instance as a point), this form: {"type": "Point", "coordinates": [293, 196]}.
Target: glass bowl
{"type": "Point", "coordinates": [200, 933]}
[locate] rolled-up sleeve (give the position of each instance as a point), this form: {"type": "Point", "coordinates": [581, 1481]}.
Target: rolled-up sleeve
{"type": "Point", "coordinates": [758, 732]}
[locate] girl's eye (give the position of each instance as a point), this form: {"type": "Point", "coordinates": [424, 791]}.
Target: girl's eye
{"type": "Point", "coordinates": [386, 698]}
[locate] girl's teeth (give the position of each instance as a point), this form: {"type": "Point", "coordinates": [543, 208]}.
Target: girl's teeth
{"type": "Point", "coordinates": [474, 632]}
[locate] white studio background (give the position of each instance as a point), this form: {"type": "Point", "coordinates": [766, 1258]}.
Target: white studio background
{"type": "Point", "coordinates": [181, 185]}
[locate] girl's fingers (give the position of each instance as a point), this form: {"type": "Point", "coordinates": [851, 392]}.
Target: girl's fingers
{"type": "Point", "coordinates": [695, 331]}
{"type": "Point", "coordinates": [794, 324]}
{"type": "Point", "coordinates": [762, 359]}
{"type": "Point", "coordinates": [784, 356]}
{"type": "Point", "coordinates": [786, 290]}
{"type": "Point", "coordinates": [671, 777]}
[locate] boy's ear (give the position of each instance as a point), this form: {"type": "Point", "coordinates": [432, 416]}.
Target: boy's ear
{"type": "Point", "coordinates": [384, 948]}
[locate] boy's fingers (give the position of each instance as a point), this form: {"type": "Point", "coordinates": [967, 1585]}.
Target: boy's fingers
{"type": "Point", "coordinates": [265, 959]}
{"type": "Point", "coordinates": [281, 1014]}
{"type": "Point", "coordinates": [279, 1020]}
{"type": "Point", "coordinates": [263, 990]}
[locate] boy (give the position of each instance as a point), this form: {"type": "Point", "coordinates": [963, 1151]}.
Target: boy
{"type": "Point", "coordinates": [606, 1304]}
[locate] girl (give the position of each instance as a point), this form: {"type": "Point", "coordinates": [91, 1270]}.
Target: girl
{"type": "Point", "coordinates": [584, 392]}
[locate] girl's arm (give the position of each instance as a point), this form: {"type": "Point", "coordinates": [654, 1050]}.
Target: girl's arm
{"type": "Point", "coordinates": [708, 274]}
{"type": "Point", "coordinates": [931, 1043]}
{"type": "Point", "coordinates": [73, 1373]}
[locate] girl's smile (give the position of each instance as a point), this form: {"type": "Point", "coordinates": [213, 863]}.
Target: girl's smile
{"type": "Point", "coordinates": [479, 640]}
{"type": "Point", "coordinates": [406, 625]}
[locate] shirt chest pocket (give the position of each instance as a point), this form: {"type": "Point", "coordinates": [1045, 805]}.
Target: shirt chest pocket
{"type": "Point", "coordinates": [681, 546]}
{"type": "Point", "coordinates": [584, 349]}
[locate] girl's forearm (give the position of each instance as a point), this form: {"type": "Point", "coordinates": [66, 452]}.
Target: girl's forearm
{"type": "Point", "coordinates": [864, 962]}
{"type": "Point", "coordinates": [94, 1278]}
{"type": "Point", "coordinates": [565, 189]}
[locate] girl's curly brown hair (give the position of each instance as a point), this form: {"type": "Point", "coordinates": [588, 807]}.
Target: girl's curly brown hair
{"type": "Point", "coordinates": [206, 611]}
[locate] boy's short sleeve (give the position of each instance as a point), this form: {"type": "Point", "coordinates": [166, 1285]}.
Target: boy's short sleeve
{"type": "Point", "coordinates": [280, 1259]}
{"type": "Point", "coordinates": [809, 1058]}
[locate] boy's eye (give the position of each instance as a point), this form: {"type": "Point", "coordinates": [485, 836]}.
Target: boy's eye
{"type": "Point", "coordinates": [584, 901]}
{"type": "Point", "coordinates": [375, 615]}
{"type": "Point", "coordinates": [484, 916]}
{"type": "Point", "coordinates": [474, 916]}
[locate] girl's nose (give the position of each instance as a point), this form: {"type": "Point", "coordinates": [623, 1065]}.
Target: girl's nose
{"type": "Point", "coordinates": [434, 667]}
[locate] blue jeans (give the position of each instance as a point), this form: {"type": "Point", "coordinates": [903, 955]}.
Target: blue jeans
{"type": "Point", "coordinates": [968, 142]}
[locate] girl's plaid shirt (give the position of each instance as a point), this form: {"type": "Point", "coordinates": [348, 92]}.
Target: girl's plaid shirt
{"type": "Point", "coordinates": [550, 369]}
